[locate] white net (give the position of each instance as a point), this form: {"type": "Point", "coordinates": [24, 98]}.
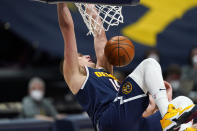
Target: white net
{"type": "Point", "coordinates": [99, 17]}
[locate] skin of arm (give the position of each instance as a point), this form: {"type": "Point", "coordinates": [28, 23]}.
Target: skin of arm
{"type": "Point", "coordinates": [71, 65]}
{"type": "Point", "coordinates": [100, 41]}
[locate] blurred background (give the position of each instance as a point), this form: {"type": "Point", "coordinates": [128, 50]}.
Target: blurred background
{"type": "Point", "coordinates": [32, 48]}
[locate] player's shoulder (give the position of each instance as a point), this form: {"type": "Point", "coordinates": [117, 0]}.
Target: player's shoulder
{"type": "Point", "coordinates": [76, 81]}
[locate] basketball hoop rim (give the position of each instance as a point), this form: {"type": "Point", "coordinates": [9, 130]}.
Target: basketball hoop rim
{"type": "Point", "coordinates": [113, 4]}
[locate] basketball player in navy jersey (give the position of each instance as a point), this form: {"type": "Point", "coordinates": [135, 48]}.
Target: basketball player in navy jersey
{"type": "Point", "coordinates": [110, 105]}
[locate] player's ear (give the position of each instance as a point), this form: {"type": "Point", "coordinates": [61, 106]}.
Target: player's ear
{"type": "Point", "coordinates": [61, 66]}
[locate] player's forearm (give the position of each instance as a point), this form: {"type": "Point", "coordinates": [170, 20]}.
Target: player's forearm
{"type": "Point", "coordinates": [95, 19]}
{"type": "Point", "coordinates": [99, 45]}
{"type": "Point", "coordinates": [100, 41]}
{"type": "Point", "coordinates": [100, 54]}
{"type": "Point", "coordinates": [71, 55]}
{"type": "Point", "coordinates": [64, 16]}
{"type": "Point", "coordinates": [70, 47]}
{"type": "Point", "coordinates": [99, 38]}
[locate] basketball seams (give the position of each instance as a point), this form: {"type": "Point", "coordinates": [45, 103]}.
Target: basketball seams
{"type": "Point", "coordinates": [119, 51]}
{"type": "Point", "coordinates": [127, 45]}
{"type": "Point", "coordinates": [118, 55]}
{"type": "Point", "coordinates": [118, 40]}
{"type": "Point", "coordinates": [120, 44]}
{"type": "Point", "coordinates": [111, 51]}
{"type": "Point", "coordinates": [126, 52]}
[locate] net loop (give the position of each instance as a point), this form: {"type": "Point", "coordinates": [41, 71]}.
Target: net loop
{"type": "Point", "coordinates": [98, 17]}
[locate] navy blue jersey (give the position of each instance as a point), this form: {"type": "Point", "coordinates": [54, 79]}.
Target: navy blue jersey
{"type": "Point", "coordinates": [98, 91]}
{"type": "Point", "coordinates": [115, 107]}
{"type": "Point", "coordinates": [125, 112]}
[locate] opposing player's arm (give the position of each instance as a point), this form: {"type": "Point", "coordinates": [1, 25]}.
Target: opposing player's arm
{"type": "Point", "coordinates": [100, 41]}
{"type": "Point", "coordinates": [71, 71]}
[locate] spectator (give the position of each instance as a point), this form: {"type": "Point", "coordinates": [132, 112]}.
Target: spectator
{"type": "Point", "coordinates": [189, 75]}
{"type": "Point", "coordinates": [35, 105]}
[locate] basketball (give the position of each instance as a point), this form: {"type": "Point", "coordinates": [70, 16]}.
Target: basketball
{"type": "Point", "coordinates": [119, 51]}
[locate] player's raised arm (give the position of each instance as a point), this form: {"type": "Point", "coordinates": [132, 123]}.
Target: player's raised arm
{"type": "Point", "coordinates": [70, 64]}
{"type": "Point", "coordinates": [100, 41]}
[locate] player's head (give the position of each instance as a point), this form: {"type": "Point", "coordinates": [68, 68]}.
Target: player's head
{"type": "Point", "coordinates": [85, 60]}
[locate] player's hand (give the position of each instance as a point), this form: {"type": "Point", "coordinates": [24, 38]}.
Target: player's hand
{"type": "Point", "coordinates": [151, 109]}
{"type": "Point", "coordinates": [95, 19]}
{"type": "Point", "coordinates": [90, 9]}
{"type": "Point", "coordinates": [168, 90]}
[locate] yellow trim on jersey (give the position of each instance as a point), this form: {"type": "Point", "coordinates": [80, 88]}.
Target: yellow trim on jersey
{"type": "Point", "coordinates": [104, 74]}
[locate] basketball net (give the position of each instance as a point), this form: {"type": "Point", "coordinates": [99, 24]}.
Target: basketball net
{"type": "Point", "coordinates": [104, 16]}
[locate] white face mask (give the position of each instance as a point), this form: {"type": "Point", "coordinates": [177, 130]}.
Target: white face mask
{"type": "Point", "coordinates": [37, 95]}
{"type": "Point", "coordinates": [194, 59]}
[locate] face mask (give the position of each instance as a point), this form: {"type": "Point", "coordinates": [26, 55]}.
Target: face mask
{"type": "Point", "coordinates": [154, 56]}
{"type": "Point", "coordinates": [36, 95]}
{"type": "Point", "coordinates": [175, 84]}
{"type": "Point", "coordinates": [194, 59]}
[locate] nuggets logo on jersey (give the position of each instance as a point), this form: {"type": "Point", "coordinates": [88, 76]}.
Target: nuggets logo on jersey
{"type": "Point", "coordinates": [127, 88]}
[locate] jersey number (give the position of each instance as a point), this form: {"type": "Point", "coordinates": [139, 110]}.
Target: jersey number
{"type": "Point", "coordinates": [115, 84]}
